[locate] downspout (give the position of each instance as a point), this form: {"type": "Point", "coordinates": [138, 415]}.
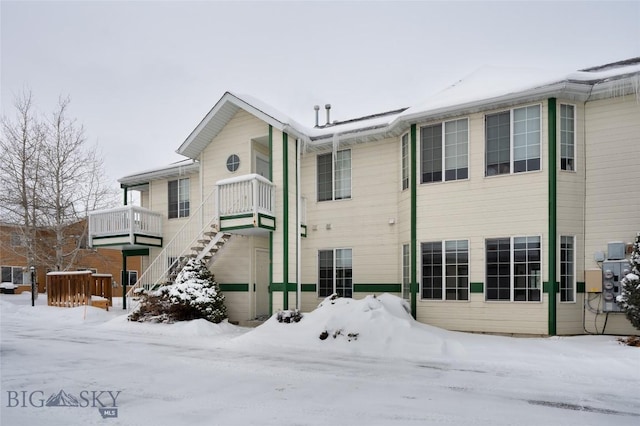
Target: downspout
{"type": "Point", "coordinates": [271, 232]}
{"type": "Point", "coordinates": [298, 223]}
{"type": "Point", "coordinates": [553, 212]}
{"type": "Point", "coordinates": [414, 254]}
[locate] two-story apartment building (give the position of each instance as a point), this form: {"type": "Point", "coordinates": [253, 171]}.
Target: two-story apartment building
{"type": "Point", "coordinates": [490, 207]}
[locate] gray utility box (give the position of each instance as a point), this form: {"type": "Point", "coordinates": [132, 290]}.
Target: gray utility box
{"type": "Point", "coordinates": [613, 271]}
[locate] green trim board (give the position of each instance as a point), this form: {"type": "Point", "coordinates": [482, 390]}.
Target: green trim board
{"type": "Point", "coordinates": [280, 287]}
{"type": "Point", "coordinates": [232, 228]}
{"type": "Point", "coordinates": [308, 288]}
{"type": "Point", "coordinates": [136, 252]}
{"type": "Point", "coordinates": [139, 239]}
{"type": "Point", "coordinates": [476, 287]}
{"type": "Point", "coordinates": [285, 218]}
{"type": "Point", "coordinates": [228, 287]}
{"type": "Point", "coordinates": [414, 221]}
{"type": "Point", "coordinates": [553, 214]}
{"type": "Point", "coordinates": [580, 287]}
{"type": "Point", "coordinates": [547, 288]}
{"type": "Point", "coordinates": [236, 216]}
{"type": "Point", "coordinates": [262, 216]}
{"type": "Point", "coordinates": [377, 288]}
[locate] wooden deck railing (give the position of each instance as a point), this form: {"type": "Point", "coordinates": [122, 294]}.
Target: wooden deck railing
{"type": "Point", "coordinates": [70, 289]}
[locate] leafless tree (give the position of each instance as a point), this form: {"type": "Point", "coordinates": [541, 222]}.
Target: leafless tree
{"type": "Point", "coordinates": [53, 179]}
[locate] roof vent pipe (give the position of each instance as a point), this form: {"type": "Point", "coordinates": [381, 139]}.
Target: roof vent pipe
{"type": "Point", "coordinates": [317, 109]}
{"type": "Point", "coordinates": [328, 108]}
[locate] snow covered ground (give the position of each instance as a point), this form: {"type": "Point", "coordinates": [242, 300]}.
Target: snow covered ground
{"type": "Point", "coordinates": [393, 372]}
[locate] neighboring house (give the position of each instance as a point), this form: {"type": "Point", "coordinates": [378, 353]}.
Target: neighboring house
{"type": "Point", "coordinates": [490, 207]}
{"type": "Point", "coordinates": [15, 268]}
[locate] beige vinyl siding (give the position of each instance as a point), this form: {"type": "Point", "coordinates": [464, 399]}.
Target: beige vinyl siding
{"type": "Point", "coordinates": [476, 209]}
{"type": "Point", "coordinates": [570, 221]}
{"type": "Point", "coordinates": [612, 210]}
{"type": "Point", "coordinates": [360, 223]}
{"type": "Point", "coordinates": [235, 138]}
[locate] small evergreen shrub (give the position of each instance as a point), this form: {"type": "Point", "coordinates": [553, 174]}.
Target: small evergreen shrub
{"type": "Point", "coordinates": [629, 300]}
{"type": "Point", "coordinates": [194, 295]}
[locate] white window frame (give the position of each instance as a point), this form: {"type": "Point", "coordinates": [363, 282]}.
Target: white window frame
{"type": "Point", "coordinates": [178, 193]}
{"type": "Point", "coordinates": [512, 270]}
{"type": "Point", "coordinates": [511, 141]}
{"type": "Point", "coordinates": [405, 162]}
{"type": "Point", "coordinates": [334, 171]}
{"type": "Point", "coordinates": [443, 151]}
{"type": "Point", "coordinates": [443, 283]}
{"type": "Point", "coordinates": [573, 271]}
{"type": "Point", "coordinates": [16, 269]}
{"type": "Point", "coordinates": [405, 261]}
{"type": "Point", "coordinates": [334, 269]}
{"type": "Point", "coordinates": [130, 273]}
{"type": "Point", "coordinates": [560, 130]}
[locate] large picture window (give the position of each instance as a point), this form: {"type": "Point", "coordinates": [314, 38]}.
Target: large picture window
{"type": "Point", "coordinates": [513, 269]}
{"type": "Point", "coordinates": [513, 141]}
{"type": "Point", "coordinates": [567, 269]}
{"type": "Point", "coordinates": [444, 146]}
{"type": "Point", "coordinates": [178, 198]}
{"type": "Point", "coordinates": [445, 270]}
{"type": "Point", "coordinates": [567, 137]}
{"type": "Point", "coordinates": [335, 273]}
{"type": "Point", "coordinates": [334, 176]}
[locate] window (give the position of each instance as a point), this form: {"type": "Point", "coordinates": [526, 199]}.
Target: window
{"type": "Point", "coordinates": [12, 274]}
{"type": "Point", "coordinates": [445, 270]}
{"type": "Point", "coordinates": [334, 176]}
{"type": "Point", "coordinates": [179, 198]}
{"type": "Point", "coordinates": [233, 162]}
{"type": "Point", "coordinates": [18, 240]}
{"type": "Point", "coordinates": [132, 277]}
{"type": "Point", "coordinates": [567, 137]}
{"type": "Point", "coordinates": [405, 161]}
{"type": "Point", "coordinates": [513, 269]}
{"type": "Point", "coordinates": [450, 138]}
{"type": "Point", "coordinates": [406, 268]}
{"type": "Point", "coordinates": [567, 269]}
{"type": "Point", "coordinates": [335, 273]}
{"type": "Point", "coordinates": [513, 141]}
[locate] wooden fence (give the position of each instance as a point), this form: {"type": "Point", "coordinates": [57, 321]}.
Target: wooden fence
{"type": "Point", "coordinates": [70, 289]}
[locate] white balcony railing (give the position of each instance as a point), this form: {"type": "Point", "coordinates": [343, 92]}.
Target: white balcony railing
{"type": "Point", "coordinates": [127, 220]}
{"type": "Point", "coordinates": [246, 194]}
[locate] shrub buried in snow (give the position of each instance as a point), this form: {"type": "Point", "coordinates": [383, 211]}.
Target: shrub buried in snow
{"type": "Point", "coordinates": [194, 295]}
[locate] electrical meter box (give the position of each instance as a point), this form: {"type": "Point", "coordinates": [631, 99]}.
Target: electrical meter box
{"type": "Point", "coordinates": [613, 271]}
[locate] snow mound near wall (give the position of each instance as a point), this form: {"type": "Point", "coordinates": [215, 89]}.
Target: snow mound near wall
{"type": "Point", "coordinates": [376, 325]}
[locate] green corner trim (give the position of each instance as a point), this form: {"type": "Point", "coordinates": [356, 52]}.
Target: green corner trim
{"type": "Point", "coordinates": [270, 233]}
{"type": "Point", "coordinates": [234, 287]}
{"type": "Point", "coordinates": [547, 287]}
{"type": "Point", "coordinates": [476, 287]}
{"type": "Point", "coordinates": [309, 288]}
{"type": "Point", "coordinates": [377, 288]}
{"type": "Point", "coordinates": [580, 287]}
{"type": "Point", "coordinates": [553, 210]}
{"type": "Point", "coordinates": [285, 218]}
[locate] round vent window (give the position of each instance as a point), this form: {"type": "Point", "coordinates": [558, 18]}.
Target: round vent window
{"type": "Point", "coordinates": [233, 162]}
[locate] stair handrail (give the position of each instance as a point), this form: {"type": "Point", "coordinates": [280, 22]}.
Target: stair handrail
{"type": "Point", "coordinates": [179, 237]}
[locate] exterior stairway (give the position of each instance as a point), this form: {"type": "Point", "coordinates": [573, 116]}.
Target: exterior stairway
{"type": "Point", "coordinates": [207, 248]}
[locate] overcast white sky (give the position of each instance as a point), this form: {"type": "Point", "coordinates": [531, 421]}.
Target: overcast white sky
{"type": "Point", "coordinates": [141, 75]}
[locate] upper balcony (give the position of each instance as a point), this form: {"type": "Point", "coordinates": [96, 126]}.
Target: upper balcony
{"type": "Point", "coordinates": [246, 205]}
{"type": "Point", "coordinates": [127, 227]}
